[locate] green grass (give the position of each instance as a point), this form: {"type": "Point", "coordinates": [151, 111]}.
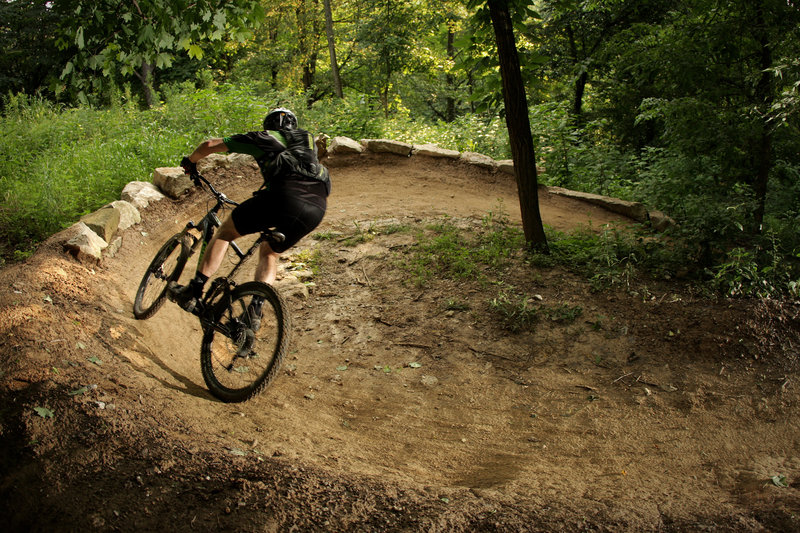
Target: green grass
{"type": "Point", "coordinates": [444, 249]}
{"type": "Point", "coordinates": [611, 257]}
{"type": "Point", "coordinates": [57, 164]}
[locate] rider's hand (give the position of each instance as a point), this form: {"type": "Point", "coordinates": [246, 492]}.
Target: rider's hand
{"type": "Point", "coordinates": [190, 168]}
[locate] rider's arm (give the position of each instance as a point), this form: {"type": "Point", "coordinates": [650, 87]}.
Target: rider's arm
{"type": "Point", "coordinates": [211, 146]}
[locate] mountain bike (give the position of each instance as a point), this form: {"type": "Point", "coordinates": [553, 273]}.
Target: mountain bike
{"type": "Point", "coordinates": [239, 355]}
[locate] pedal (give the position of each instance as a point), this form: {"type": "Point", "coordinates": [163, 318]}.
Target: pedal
{"type": "Point", "coordinates": [247, 346]}
{"type": "Point", "coordinates": [170, 289]}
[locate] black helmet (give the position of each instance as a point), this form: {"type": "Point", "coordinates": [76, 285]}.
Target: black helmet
{"type": "Point", "coordinates": [280, 119]}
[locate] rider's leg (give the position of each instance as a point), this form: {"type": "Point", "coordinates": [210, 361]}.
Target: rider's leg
{"type": "Point", "coordinates": [188, 295]}
{"type": "Point", "coordinates": [266, 272]}
{"type": "Point", "coordinates": [217, 246]}
{"type": "Point", "coordinates": [267, 269]}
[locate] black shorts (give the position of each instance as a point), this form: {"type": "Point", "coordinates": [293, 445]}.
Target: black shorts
{"type": "Point", "coordinates": [294, 210]}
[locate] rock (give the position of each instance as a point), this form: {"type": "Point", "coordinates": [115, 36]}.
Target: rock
{"type": "Point", "coordinates": [291, 287]}
{"type": "Point", "coordinates": [141, 193]}
{"type": "Point", "coordinates": [113, 247]}
{"type": "Point", "coordinates": [303, 275]}
{"type": "Point", "coordinates": [172, 181]}
{"type": "Point", "coordinates": [322, 145]}
{"type": "Point", "coordinates": [345, 145]}
{"type": "Point", "coordinates": [86, 245]}
{"type": "Point", "coordinates": [380, 146]}
{"type": "Point", "coordinates": [479, 160]}
{"type": "Point", "coordinates": [242, 160]}
{"type": "Point", "coordinates": [634, 210]}
{"type": "Point", "coordinates": [430, 381]}
{"type": "Point", "coordinates": [432, 150]}
{"type": "Point", "coordinates": [660, 221]}
{"type": "Point", "coordinates": [104, 222]}
{"type": "Point", "coordinates": [213, 161]}
{"type": "Point", "coordinates": [507, 166]}
{"type": "Point", "coordinates": [128, 214]}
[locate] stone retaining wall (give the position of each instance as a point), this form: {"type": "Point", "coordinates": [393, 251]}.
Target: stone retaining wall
{"type": "Point", "coordinates": [97, 234]}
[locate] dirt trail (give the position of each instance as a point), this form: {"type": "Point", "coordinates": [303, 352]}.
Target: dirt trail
{"type": "Point", "coordinates": [650, 412]}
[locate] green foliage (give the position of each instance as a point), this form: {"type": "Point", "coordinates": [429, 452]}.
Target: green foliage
{"type": "Point", "coordinates": [787, 106]}
{"type": "Point", "coordinates": [127, 41]}
{"type": "Point", "coordinates": [563, 312]}
{"type": "Point", "coordinates": [611, 257]}
{"type": "Point", "coordinates": [621, 257]}
{"type": "Point", "coordinates": [453, 304]}
{"type": "Point", "coordinates": [579, 158]}
{"type": "Point", "coordinates": [445, 252]}
{"type": "Point", "coordinates": [351, 117]}
{"type": "Point", "coordinates": [29, 54]}
{"type": "Point", "coordinates": [764, 271]}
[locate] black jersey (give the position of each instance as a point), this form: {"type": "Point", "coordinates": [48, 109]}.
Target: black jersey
{"type": "Point", "coordinates": [286, 158]}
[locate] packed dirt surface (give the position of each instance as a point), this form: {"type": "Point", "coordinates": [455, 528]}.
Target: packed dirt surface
{"type": "Point", "coordinates": [400, 407]}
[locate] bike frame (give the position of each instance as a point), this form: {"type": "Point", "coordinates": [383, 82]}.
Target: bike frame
{"type": "Point", "coordinates": [210, 222]}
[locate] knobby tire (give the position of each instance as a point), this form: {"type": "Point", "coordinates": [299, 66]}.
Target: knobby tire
{"type": "Point", "coordinates": [237, 361]}
{"type": "Point", "coordinates": [166, 266]}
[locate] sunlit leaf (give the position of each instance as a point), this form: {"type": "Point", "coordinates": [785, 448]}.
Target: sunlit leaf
{"type": "Point", "coordinates": [44, 412]}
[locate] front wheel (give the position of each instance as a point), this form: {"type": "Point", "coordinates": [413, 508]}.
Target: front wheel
{"type": "Point", "coordinates": [166, 266]}
{"type": "Point", "coordinates": [240, 354]}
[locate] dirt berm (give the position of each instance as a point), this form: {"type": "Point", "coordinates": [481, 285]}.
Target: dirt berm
{"type": "Point", "coordinates": [650, 409]}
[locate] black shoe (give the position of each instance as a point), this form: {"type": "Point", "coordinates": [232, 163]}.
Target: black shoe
{"type": "Point", "coordinates": [183, 295]}
{"type": "Point", "coordinates": [254, 313]}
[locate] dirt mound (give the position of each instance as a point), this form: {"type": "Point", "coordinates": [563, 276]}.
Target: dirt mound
{"type": "Point", "coordinates": [649, 411]}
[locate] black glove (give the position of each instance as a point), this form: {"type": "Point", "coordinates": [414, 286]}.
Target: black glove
{"type": "Point", "coordinates": [189, 167]}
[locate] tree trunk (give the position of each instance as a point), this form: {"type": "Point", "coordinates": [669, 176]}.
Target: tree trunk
{"type": "Point", "coordinates": [580, 82]}
{"type": "Point", "coordinates": [577, 104]}
{"type": "Point", "coordinates": [519, 127]}
{"type": "Point", "coordinates": [273, 38]}
{"type": "Point", "coordinates": [763, 97]}
{"type": "Point", "coordinates": [450, 102]}
{"type": "Point", "coordinates": [145, 76]}
{"type": "Point", "coordinates": [337, 81]}
{"type": "Point", "coordinates": [307, 45]}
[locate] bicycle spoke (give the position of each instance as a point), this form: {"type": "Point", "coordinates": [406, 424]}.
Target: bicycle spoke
{"type": "Point", "coordinates": [166, 266]}
{"type": "Point", "coordinates": [239, 359]}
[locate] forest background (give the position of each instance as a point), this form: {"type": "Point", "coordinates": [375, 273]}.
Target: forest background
{"type": "Point", "coordinates": [689, 106]}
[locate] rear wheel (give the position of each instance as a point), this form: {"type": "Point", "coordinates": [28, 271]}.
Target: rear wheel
{"type": "Point", "coordinates": [240, 357]}
{"type": "Point", "coordinates": [165, 267]}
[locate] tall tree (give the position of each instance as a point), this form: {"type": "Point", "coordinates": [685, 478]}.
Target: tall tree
{"type": "Point", "coordinates": [136, 38]}
{"type": "Point", "coordinates": [575, 34]}
{"type": "Point", "coordinates": [519, 127]}
{"type": "Point", "coordinates": [308, 31]}
{"type": "Point", "coordinates": [337, 81]}
{"type": "Point", "coordinates": [385, 32]}
{"type": "Point", "coordinates": [450, 101]}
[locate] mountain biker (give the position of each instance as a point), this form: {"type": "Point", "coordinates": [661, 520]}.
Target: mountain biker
{"type": "Point", "coordinates": [293, 200]}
